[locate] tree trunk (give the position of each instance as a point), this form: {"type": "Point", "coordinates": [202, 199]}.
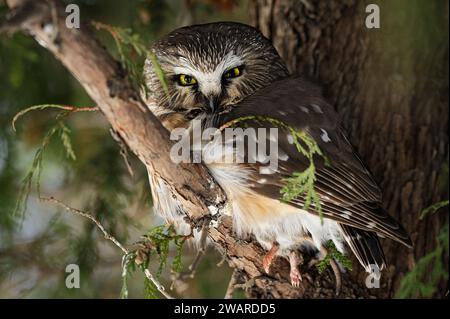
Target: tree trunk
{"type": "Point", "coordinates": [390, 85]}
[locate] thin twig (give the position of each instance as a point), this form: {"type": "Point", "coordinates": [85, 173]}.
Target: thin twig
{"type": "Point", "coordinates": [123, 150]}
{"type": "Point", "coordinates": [158, 286]}
{"type": "Point", "coordinates": [223, 259]}
{"type": "Point", "coordinates": [54, 106]}
{"type": "Point", "coordinates": [75, 211]}
{"type": "Point", "coordinates": [109, 237]}
{"type": "Point", "coordinates": [246, 285]}
{"type": "Point", "coordinates": [232, 284]}
{"type": "Point", "coordinates": [190, 273]}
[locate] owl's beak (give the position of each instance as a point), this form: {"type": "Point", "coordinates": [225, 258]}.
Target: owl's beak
{"type": "Point", "coordinates": [212, 103]}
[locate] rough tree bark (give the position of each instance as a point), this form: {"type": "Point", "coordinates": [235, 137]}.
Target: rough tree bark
{"type": "Point", "coordinates": [390, 86]}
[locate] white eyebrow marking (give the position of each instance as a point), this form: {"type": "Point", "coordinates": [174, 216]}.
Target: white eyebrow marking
{"type": "Point", "coordinates": [347, 214]}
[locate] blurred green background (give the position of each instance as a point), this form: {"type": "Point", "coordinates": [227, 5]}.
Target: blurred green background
{"type": "Point", "coordinates": [36, 247]}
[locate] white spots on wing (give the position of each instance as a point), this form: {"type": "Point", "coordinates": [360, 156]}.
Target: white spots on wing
{"type": "Point", "coordinates": [283, 113]}
{"type": "Point", "coordinates": [304, 109]}
{"type": "Point", "coordinates": [324, 136]}
{"type": "Point", "coordinates": [371, 225]}
{"type": "Point", "coordinates": [347, 214]}
{"type": "Point", "coordinates": [282, 155]}
{"type": "Point", "coordinates": [316, 108]}
{"type": "Point", "coordinates": [290, 138]}
{"type": "Point", "coordinates": [262, 181]}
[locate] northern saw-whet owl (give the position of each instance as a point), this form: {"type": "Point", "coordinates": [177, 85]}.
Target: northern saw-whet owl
{"type": "Point", "coordinates": [221, 72]}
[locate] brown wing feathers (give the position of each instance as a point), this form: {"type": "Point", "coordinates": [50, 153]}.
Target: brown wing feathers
{"type": "Point", "coordinates": [346, 189]}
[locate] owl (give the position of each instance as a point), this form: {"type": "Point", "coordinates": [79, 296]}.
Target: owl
{"type": "Point", "coordinates": [221, 73]}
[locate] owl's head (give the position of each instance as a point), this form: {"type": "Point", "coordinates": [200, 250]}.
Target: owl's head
{"type": "Point", "coordinates": [209, 67]}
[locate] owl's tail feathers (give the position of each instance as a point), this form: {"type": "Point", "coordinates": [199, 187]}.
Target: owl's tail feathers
{"type": "Point", "coordinates": [379, 221]}
{"type": "Point", "coordinates": [366, 247]}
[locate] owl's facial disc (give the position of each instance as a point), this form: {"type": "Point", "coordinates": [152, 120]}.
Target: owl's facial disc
{"type": "Point", "coordinates": [208, 88]}
{"type": "Point", "coordinates": [209, 68]}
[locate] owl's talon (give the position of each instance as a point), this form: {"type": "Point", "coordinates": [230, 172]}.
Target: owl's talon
{"type": "Point", "coordinates": [295, 274]}
{"type": "Point", "coordinates": [268, 258]}
{"type": "Point", "coordinates": [266, 264]}
{"type": "Point", "coordinates": [296, 277]}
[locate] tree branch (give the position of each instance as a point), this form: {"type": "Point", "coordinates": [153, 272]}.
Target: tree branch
{"type": "Point", "coordinates": [75, 211]}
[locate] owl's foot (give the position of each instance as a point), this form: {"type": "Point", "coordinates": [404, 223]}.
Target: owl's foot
{"type": "Point", "coordinates": [295, 274]}
{"type": "Point", "coordinates": [268, 258]}
{"type": "Point", "coordinates": [336, 271]}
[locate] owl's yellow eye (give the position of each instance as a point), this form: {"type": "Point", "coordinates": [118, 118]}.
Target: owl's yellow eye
{"type": "Point", "coordinates": [233, 73]}
{"type": "Point", "coordinates": [186, 80]}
